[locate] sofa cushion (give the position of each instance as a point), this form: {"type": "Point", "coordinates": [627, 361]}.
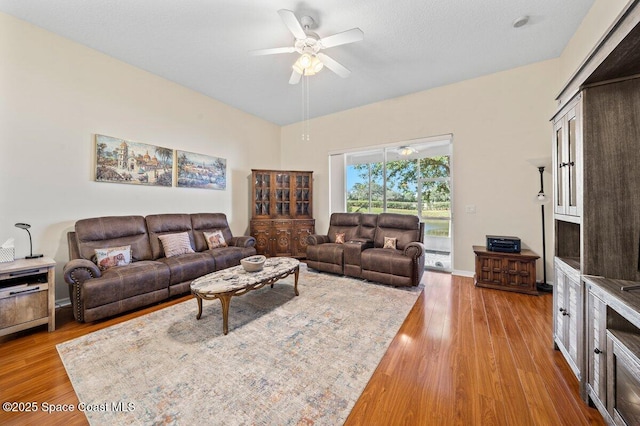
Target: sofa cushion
{"type": "Point", "coordinates": [175, 244]}
{"type": "Point", "coordinates": [209, 222]}
{"type": "Point", "coordinates": [387, 261]}
{"type": "Point", "coordinates": [343, 223]}
{"type": "Point", "coordinates": [187, 267]}
{"type": "Point", "coordinates": [227, 257]}
{"type": "Point", "coordinates": [340, 238]}
{"type": "Point", "coordinates": [117, 284]}
{"type": "Point", "coordinates": [113, 231]}
{"type": "Point", "coordinates": [368, 223]}
{"type": "Point", "coordinates": [326, 253]}
{"type": "Point", "coordinates": [161, 224]}
{"type": "Point", "coordinates": [390, 243]}
{"type": "Point", "coordinates": [404, 228]}
{"type": "Point", "coordinates": [113, 256]}
{"type": "Point", "coordinates": [215, 239]}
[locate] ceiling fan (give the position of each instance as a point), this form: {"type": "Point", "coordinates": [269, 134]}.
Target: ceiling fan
{"type": "Point", "coordinates": [308, 44]}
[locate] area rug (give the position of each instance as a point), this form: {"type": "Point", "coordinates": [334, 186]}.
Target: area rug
{"type": "Point", "coordinates": [287, 360]}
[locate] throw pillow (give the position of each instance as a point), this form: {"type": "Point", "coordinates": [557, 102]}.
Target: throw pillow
{"type": "Point", "coordinates": [390, 243]}
{"type": "Point", "coordinates": [340, 238]}
{"type": "Point", "coordinates": [112, 256]}
{"type": "Point", "coordinates": [215, 239]}
{"type": "Point", "coordinates": [175, 244]}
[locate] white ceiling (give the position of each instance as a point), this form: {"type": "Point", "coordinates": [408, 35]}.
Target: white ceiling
{"type": "Point", "coordinates": [408, 46]}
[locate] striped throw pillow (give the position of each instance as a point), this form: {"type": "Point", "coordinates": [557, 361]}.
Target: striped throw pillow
{"type": "Point", "coordinates": [175, 244]}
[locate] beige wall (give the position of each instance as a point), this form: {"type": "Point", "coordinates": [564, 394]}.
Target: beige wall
{"type": "Point", "coordinates": [498, 122]}
{"type": "Point", "coordinates": [56, 95]}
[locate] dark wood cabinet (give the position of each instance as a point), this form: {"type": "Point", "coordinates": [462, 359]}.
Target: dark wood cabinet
{"type": "Point", "coordinates": [282, 216]}
{"type": "Point", "coordinates": [506, 271]}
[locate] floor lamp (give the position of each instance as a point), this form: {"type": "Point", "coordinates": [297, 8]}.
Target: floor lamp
{"type": "Point", "coordinates": [543, 199]}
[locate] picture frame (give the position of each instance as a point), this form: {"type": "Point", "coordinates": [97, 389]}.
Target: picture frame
{"type": "Point", "coordinates": [200, 171]}
{"type": "Point", "coordinates": [124, 161]}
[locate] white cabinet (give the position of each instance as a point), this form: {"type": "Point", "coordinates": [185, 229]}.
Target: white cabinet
{"type": "Point", "coordinates": [567, 314]}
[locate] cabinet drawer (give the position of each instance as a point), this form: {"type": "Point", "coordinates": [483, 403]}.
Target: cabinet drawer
{"type": "Point", "coordinates": [21, 274]}
{"type": "Point", "coordinates": [23, 307]}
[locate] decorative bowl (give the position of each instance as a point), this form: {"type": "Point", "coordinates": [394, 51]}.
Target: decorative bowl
{"type": "Point", "coordinates": [253, 263]}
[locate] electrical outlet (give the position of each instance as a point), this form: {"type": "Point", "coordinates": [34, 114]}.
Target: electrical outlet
{"type": "Point", "coordinates": [470, 209]}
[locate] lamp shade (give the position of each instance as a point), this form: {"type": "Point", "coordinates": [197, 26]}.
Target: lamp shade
{"type": "Point", "coordinates": [542, 198]}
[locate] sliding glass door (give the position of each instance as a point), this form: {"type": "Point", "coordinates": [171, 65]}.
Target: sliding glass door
{"type": "Point", "coordinates": [409, 179]}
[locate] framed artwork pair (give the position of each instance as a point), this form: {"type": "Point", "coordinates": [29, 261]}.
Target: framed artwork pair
{"type": "Point", "coordinates": [123, 161]}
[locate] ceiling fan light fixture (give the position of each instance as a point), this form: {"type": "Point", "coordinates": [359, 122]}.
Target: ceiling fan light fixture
{"type": "Point", "coordinates": [316, 64]}
{"type": "Point", "coordinates": [405, 151]}
{"type": "Point", "coordinates": [305, 60]}
{"type": "Point", "coordinates": [308, 64]}
{"type": "Point", "coordinates": [297, 68]}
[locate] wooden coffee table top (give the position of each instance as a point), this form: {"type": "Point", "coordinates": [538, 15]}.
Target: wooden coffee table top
{"type": "Point", "coordinates": [236, 278]}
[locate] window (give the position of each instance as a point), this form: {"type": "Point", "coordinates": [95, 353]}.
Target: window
{"type": "Point", "coordinates": [410, 178]}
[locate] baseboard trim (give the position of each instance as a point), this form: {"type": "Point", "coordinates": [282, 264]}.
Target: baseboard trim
{"type": "Point", "coordinates": [62, 303]}
{"type": "Point", "coordinates": [469, 274]}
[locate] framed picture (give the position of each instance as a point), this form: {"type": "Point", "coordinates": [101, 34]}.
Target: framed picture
{"type": "Point", "coordinates": [201, 171]}
{"type": "Point", "coordinates": [122, 161]}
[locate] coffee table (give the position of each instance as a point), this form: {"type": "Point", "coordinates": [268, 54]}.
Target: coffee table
{"type": "Point", "coordinates": [235, 281]}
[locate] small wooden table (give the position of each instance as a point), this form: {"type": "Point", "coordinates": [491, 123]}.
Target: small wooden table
{"type": "Point", "coordinates": [235, 281]}
{"type": "Point", "coordinates": [506, 271]}
{"type": "Point", "coordinates": [27, 294]}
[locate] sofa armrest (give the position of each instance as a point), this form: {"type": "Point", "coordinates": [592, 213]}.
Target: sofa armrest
{"type": "Point", "coordinates": [242, 241]}
{"type": "Point", "coordinates": [414, 250]}
{"type": "Point", "coordinates": [314, 240]}
{"type": "Point", "coordinates": [77, 271]}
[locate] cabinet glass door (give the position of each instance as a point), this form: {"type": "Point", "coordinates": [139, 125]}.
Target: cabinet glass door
{"type": "Point", "coordinates": [572, 197]}
{"type": "Point", "coordinates": [282, 194]}
{"type": "Point", "coordinates": [262, 195]}
{"type": "Point", "coordinates": [567, 151]}
{"type": "Point", "coordinates": [303, 194]}
{"type": "Point", "coordinates": [559, 172]}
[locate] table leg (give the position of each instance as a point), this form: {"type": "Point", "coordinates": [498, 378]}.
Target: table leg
{"type": "Point", "coordinates": [225, 300]}
{"type": "Point", "coordinates": [199, 307]}
{"type": "Point", "coordinates": [295, 285]}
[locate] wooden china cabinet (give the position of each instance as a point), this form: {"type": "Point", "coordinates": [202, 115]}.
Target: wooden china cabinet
{"type": "Point", "coordinates": [282, 215]}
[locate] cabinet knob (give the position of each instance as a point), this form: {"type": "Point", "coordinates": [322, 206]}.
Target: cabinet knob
{"type": "Point", "coordinates": [597, 351]}
{"type": "Point", "coordinates": [562, 310]}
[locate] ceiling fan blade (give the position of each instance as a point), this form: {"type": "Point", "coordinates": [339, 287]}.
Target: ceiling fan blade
{"type": "Point", "coordinates": [333, 65]}
{"type": "Point", "coordinates": [290, 20]}
{"type": "Point", "coordinates": [272, 51]}
{"type": "Point", "coordinates": [295, 77]}
{"type": "Point", "coordinates": [349, 36]}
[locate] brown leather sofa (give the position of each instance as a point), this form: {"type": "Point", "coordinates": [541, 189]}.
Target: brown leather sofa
{"type": "Point", "coordinates": [362, 255]}
{"type": "Point", "coordinates": [151, 276]}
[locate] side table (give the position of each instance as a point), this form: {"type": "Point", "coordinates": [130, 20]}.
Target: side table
{"type": "Point", "coordinates": [506, 271]}
{"type": "Point", "coordinates": [27, 294]}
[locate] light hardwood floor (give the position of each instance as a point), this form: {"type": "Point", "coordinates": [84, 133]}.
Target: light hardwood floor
{"type": "Point", "coordinates": [464, 356]}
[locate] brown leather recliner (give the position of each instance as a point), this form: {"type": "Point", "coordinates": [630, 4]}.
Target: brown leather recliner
{"type": "Point", "coordinates": [323, 252]}
{"type": "Point", "coordinates": [402, 266]}
{"type": "Point", "coordinates": [363, 254]}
